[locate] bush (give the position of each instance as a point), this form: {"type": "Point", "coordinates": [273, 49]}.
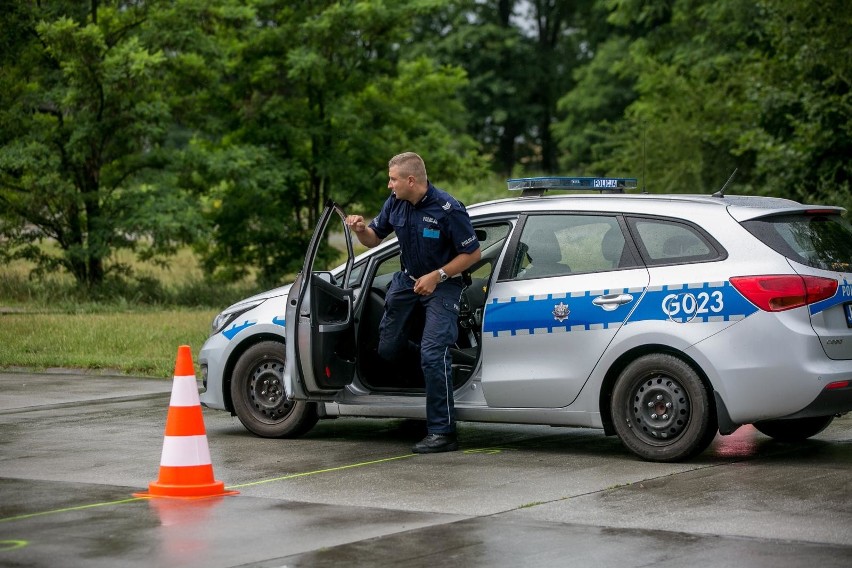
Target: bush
{"type": "Point", "coordinates": [124, 293]}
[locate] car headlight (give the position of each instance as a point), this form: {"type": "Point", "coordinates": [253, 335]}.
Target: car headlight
{"type": "Point", "coordinates": [224, 318]}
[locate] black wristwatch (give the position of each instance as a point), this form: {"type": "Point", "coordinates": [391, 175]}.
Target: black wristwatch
{"type": "Point", "coordinates": [443, 275]}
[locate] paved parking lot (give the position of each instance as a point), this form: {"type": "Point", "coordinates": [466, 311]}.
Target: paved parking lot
{"type": "Point", "coordinates": [73, 450]}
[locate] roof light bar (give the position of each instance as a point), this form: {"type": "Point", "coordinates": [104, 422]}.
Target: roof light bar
{"type": "Point", "coordinates": [538, 185]}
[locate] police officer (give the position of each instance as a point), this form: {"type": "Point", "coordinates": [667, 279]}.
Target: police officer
{"type": "Point", "coordinates": [437, 243]}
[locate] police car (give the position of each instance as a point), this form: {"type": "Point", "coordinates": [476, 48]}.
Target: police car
{"type": "Point", "coordinates": [662, 319]}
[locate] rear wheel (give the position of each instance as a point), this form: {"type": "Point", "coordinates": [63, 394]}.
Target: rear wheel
{"type": "Point", "coordinates": [794, 430]}
{"type": "Point", "coordinates": [662, 409]}
{"type": "Point", "coordinates": [260, 402]}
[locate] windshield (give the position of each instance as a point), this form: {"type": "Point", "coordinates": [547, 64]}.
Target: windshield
{"type": "Point", "coordinates": [817, 240]}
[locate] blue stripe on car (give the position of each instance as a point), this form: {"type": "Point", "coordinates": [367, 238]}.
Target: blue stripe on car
{"type": "Point", "coordinates": [843, 294]}
{"type": "Point", "coordinates": [695, 303]}
{"type": "Point", "coordinates": [232, 331]}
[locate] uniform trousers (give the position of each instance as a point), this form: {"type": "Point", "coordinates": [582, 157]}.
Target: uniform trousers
{"type": "Point", "coordinates": [440, 331]}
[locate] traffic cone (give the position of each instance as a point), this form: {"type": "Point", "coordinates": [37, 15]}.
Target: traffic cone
{"type": "Point", "coordinates": [185, 468]}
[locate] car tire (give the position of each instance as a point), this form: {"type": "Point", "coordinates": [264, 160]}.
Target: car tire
{"type": "Point", "coordinates": [260, 402]}
{"type": "Point", "coordinates": [795, 429]}
{"type": "Point", "coordinates": [662, 410]}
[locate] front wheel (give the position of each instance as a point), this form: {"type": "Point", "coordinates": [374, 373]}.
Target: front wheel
{"type": "Point", "coordinates": [662, 410]}
{"type": "Point", "coordinates": [260, 402]}
{"type": "Point", "coordinates": [794, 430]}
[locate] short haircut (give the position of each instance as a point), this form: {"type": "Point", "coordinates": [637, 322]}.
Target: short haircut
{"type": "Point", "coordinates": [409, 164]}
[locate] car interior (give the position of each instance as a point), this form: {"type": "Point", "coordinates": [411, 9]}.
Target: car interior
{"type": "Point", "coordinates": [405, 374]}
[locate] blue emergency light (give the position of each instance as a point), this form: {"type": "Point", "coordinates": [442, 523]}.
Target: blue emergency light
{"type": "Point", "coordinates": [538, 185]}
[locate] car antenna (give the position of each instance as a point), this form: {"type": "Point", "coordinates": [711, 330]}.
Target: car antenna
{"type": "Point", "coordinates": [721, 192]}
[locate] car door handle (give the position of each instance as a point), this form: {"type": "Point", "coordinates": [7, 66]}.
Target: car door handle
{"type": "Point", "coordinates": [612, 301]}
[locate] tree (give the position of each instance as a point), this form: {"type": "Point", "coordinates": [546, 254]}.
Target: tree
{"type": "Point", "coordinates": [717, 85]}
{"type": "Point", "coordinates": [482, 38]}
{"type": "Point", "coordinates": [801, 130]}
{"type": "Point", "coordinates": [319, 96]}
{"type": "Point", "coordinates": [226, 123]}
{"type": "Point", "coordinates": [690, 62]}
{"type": "Point", "coordinates": [604, 86]}
{"type": "Point", "coordinates": [83, 119]}
{"type": "Point", "coordinates": [519, 56]}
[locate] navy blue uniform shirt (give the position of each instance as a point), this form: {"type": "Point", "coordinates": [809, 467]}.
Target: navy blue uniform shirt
{"type": "Point", "coordinates": [430, 233]}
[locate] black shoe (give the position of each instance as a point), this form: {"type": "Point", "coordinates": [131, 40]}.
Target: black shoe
{"type": "Point", "coordinates": [434, 443]}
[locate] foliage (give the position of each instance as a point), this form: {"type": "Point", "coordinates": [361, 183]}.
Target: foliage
{"type": "Point", "coordinates": [720, 85]}
{"type": "Point", "coordinates": [83, 116]}
{"type": "Point", "coordinates": [320, 97]}
{"type": "Point", "coordinates": [593, 108]}
{"type": "Point", "coordinates": [139, 292]}
{"type": "Point", "coordinates": [141, 126]}
{"type": "Point", "coordinates": [802, 135]}
{"type": "Point", "coordinates": [519, 56]}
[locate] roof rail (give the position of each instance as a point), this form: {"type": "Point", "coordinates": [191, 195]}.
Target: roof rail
{"type": "Point", "coordinates": [537, 186]}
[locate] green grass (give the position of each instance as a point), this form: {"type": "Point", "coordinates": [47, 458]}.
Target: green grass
{"type": "Point", "coordinates": [132, 326]}
{"type": "Point", "coordinates": [133, 343]}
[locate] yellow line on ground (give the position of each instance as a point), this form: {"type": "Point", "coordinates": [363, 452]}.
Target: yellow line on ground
{"type": "Point", "coordinates": [12, 544]}
{"type": "Point", "coordinates": [282, 478]}
{"type": "Point", "coordinates": [306, 473]}
{"type": "Point", "coordinates": [69, 509]}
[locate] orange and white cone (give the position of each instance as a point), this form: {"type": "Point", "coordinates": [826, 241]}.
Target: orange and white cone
{"type": "Point", "coordinates": [185, 467]}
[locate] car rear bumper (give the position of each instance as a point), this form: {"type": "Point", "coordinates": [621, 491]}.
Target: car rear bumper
{"type": "Point", "coordinates": [833, 399]}
{"type": "Point", "coordinates": [764, 371]}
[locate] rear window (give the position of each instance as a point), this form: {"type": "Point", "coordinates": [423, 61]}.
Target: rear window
{"type": "Point", "coordinates": [821, 241]}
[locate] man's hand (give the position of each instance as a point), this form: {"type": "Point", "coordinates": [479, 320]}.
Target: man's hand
{"type": "Point", "coordinates": [427, 283]}
{"type": "Point", "coordinates": [356, 223]}
{"type": "Point", "coordinates": [365, 234]}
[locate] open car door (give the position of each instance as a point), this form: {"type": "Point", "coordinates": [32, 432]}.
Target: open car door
{"type": "Point", "coordinates": [320, 326]}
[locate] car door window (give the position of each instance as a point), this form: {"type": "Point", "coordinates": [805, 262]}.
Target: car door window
{"type": "Point", "coordinates": [385, 271]}
{"type": "Point", "coordinates": [667, 242]}
{"type": "Point", "coordinates": [558, 245]}
{"type": "Point", "coordinates": [491, 240]}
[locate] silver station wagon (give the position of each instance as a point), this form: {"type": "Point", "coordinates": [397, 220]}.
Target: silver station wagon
{"type": "Point", "coordinates": [662, 319]}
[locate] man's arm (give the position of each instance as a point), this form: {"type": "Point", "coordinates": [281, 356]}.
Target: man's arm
{"type": "Point", "coordinates": [365, 234]}
{"type": "Point", "coordinates": [460, 263]}
{"type": "Point", "coordinates": [427, 283]}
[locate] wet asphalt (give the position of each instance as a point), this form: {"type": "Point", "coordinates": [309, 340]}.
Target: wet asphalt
{"type": "Point", "coordinates": [75, 448]}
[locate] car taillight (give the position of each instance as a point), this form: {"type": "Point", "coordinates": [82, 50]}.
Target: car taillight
{"type": "Point", "coordinates": [779, 292]}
